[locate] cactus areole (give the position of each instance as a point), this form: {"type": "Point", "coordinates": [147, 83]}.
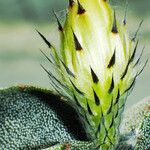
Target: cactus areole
{"type": "Point", "coordinates": [95, 67]}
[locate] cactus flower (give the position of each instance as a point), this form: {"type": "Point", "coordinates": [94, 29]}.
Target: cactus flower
{"type": "Point", "coordinates": [95, 67]}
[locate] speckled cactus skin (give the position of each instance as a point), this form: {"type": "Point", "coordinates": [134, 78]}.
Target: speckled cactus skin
{"type": "Point", "coordinates": [136, 125]}
{"type": "Point", "coordinates": [32, 118]}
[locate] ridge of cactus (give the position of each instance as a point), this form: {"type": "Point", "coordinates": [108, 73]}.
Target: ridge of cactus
{"type": "Point", "coordinates": [95, 67]}
{"type": "Point", "coordinates": [135, 125]}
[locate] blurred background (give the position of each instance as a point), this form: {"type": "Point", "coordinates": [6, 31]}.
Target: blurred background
{"type": "Point", "coordinates": [20, 57]}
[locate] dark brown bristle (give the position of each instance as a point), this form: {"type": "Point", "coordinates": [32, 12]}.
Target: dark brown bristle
{"type": "Point", "coordinates": [89, 109]}
{"type": "Point", "coordinates": [112, 60]}
{"type": "Point", "coordinates": [112, 122]}
{"type": "Point", "coordinates": [133, 54]}
{"type": "Point", "coordinates": [77, 90]}
{"type": "Point", "coordinates": [110, 108]}
{"type": "Point", "coordinates": [131, 85]}
{"type": "Point", "coordinates": [130, 61]}
{"type": "Point", "coordinates": [114, 28]}
{"type": "Point", "coordinates": [97, 100]}
{"type": "Point", "coordinates": [44, 39]}
{"type": "Point", "coordinates": [58, 22]}
{"type": "Point", "coordinates": [111, 86]}
{"type": "Point", "coordinates": [81, 10]}
{"type": "Point", "coordinates": [77, 44]}
{"type": "Point", "coordinates": [71, 2]}
{"type": "Point", "coordinates": [125, 15]}
{"type": "Point", "coordinates": [94, 76]}
{"type": "Point", "coordinates": [125, 71]}
{"type": "Point", "coordinates": [118, 97]}
{"type": "Point", "coordinates": [77, 102]}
